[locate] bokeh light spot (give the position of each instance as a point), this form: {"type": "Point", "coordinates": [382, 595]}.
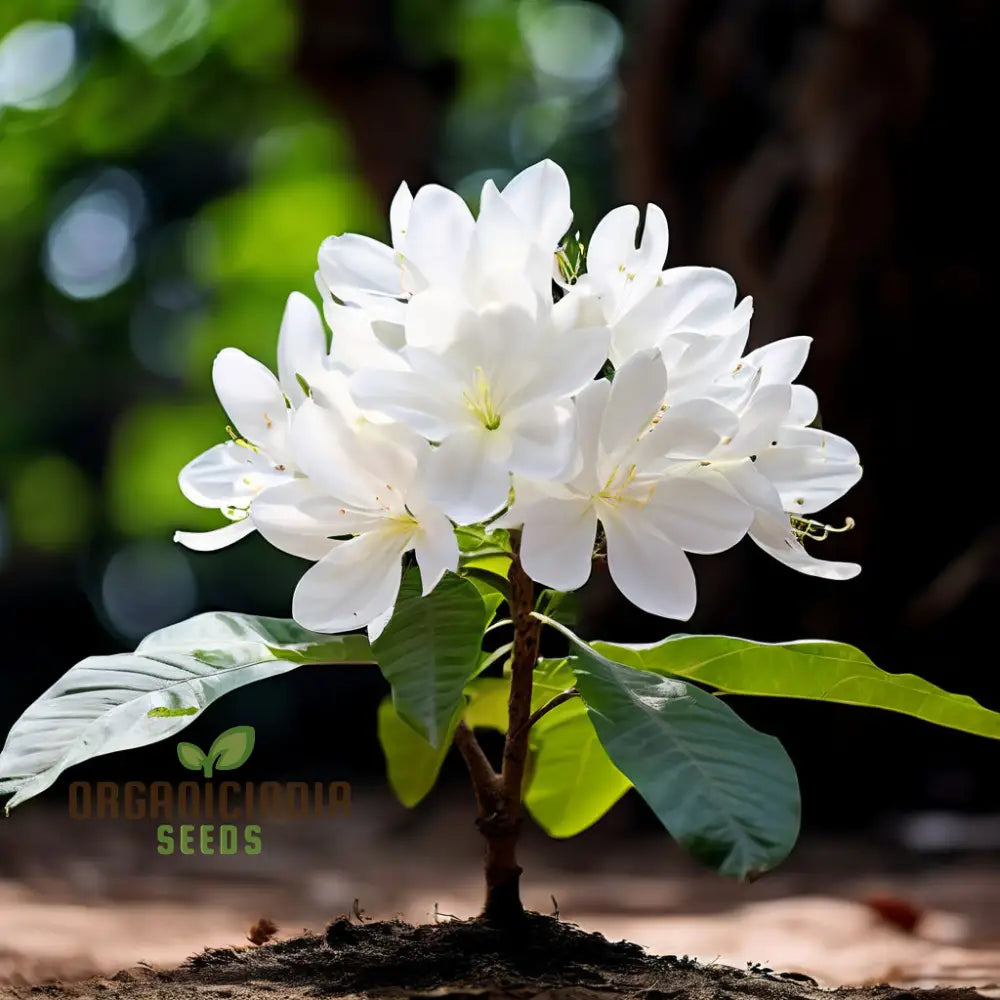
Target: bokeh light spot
{"type": "Point", "coordinates": [50, 504]}
{"type": "Point", "coordinates": [146, 586]}
{"type": "Point", "coordinates": [90, 249]}
{"type": "Point", "coordinates": [36, 63]}
{"type": "Point", "coordinates": [575, 45]}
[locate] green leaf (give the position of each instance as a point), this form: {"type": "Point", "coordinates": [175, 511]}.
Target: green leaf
{"type": "Point", "coordinates": [813, 670]}
{"type": "Point", "coordinates": [487, 703]}
{"type": "Point", "coordinates": [726, 792]}
{"type": "Point", "coordinates": [109, 703]}
{"type": "Point", "coordinates": [412, 764]}
{"type": "Point", "coordinates": [475, 539]}
{"type": "Point", "coordinates": [487, 578]}
{"type": "Point", "coordinates": [191, 756]}
{"type": "Point", "coordinates": [563, 607]}
{"type": "Point", "coordinates": [430, 649]}
{"type": "Point", "coordinates": [231, 748]}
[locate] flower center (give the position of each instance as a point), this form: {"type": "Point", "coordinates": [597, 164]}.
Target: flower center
{"type": "Point", "coordinates": [480, 403]}
{"type": "Point", "coordinates": [616, 491]}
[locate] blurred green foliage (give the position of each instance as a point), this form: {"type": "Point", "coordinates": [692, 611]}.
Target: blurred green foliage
{"type": "Point", "coordinates": [165, 181]}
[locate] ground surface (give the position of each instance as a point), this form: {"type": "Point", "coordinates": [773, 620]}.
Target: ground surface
{"type": "Point", "coordinates": [88, 899]}
{"type": "Point", "coordinates": [463, 960]}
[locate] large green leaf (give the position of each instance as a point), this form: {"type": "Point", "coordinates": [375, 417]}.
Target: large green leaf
{"type": "Point", "coordinates": [818, 671]}
{"type": "Point", "coordinates": [430, 649]}
{"type": "Point", "coordinates": [726, 792]}
{"type": "Point", "coordinates": [412, 764]}
{"type": "Point", "coordinates": [109, 703]}
{"type": "Point", "coordinates": [571, 782]}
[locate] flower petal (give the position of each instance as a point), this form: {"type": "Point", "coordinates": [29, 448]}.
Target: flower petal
{"type": "Point", "coordinates": [226, 475]}
{"type": "Point", "coordinates": [431, 406]}
{"type": "Point", "coordinates": [399, 215]}
{"type": "Point", "coordinates": [636, 395]}
{"type": "Point", "coordinates": [252, 397]}
{"type": "Point", "coordinates": [781, 361]}
{"type": "Point", "coordinates": [651, 571]}
{"type": "Point", "coordinates": [301, 345]}
{"type": "Point", "coordinates": [464, 479]}
{"type": "Point", "coordinates": [435, 546]}
{"type": "Point", "coordinates": [772, 530]}
{"type": "Point", "coordinates": [352, 264]}
{"type": "Point", "coordinates": [351, 585]}
{"type": "Point", "coordinates": [689, 430]}
{"type": "Point", "coordinates": [540, 197]}
{"type": "Point", "coordinates": [812, 470]}
{"type": "Point", "coordinates": [212, 541]}
{"type": "Point", "coordinates": [300, 519]}
{"type": "Point", "coordinates": [543, 440]}
{"type": "Point", "coordinates": [438, 234]}
{"type": "Point", "coordinates": [700, 513]}
{"type": "Point", "coordinates": [557, 541]}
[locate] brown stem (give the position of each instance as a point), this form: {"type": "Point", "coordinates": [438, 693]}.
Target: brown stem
{"type": "Point", "coordinates": [498, 796]}
{"type": "Point", "coordinates": [485, 781]}
{"type": "Point", "coordinates": [503, 873]}
{"type": "Point", "coordinates": [559, 699]}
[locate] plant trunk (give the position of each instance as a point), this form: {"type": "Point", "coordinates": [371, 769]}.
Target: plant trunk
{"type": "Point", "coordinates": [503, 875]}
{"type": "Point", "coordinates": [498, 796]}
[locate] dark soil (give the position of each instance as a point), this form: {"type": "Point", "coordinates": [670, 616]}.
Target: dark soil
{"type": "Point", "coordinates": [467, 960]}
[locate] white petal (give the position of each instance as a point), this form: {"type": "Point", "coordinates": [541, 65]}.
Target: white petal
{"type": "Point", "coordinates": [543, 440]}
{"type": "Point", "coordinates": [435, 546]}
{"type": "Point", "coordinates": [557, 541]}
{"type": "Point", "coordinates": [332, 455]}
{"type": "Point", "coordinates": [772, 530]}
{"type": "Point", "coordinates": [299, 519]}
{"type": "Point", "coordinates": [613, 243]}
{"type": "Point", "coordinates": [805, 406]}
{"type": "Point", "coordinates": [438, 234]}
{"type": "Point", "coordinates": [694, 298]}
{"type": "Point", "coordinates": [652, 572]}
{"type": "Point", "coordinates": [760, 422]}
{"type": "Point", "coordinates": [463, 478]}
{"type": "Point", "coordinates": [212, 541]}
{"type": "Point", "coordinates": [377, 625]}
{"type": "Point", "coordinates": [399, 215]}
{"type": "Point", "coordinates": [355, 344]}
{"type": "Point", "coordinates": [540, 197]}
{"type": "Point", "coordinates": [301, 345]}
{"type": "Point", "coordinates": [636, 394]}
{"type": "Point", "coordinates": [350, 264]}
{"type": "Point", "coordinates": [435, 317]}
{"type": "Point", "coordinates": [430, 406]}
{"type": "Point", "coordinates": [252, 397]}
{"type": "Point", "coordinates": [590, 403]}
{"type": "Point", "coordinates": [701, 513]}
{"type": "Point", "coordinates": [689, 430]}
{"type": "Point", "coordinates": [216, 477]}
{"type": "Point", "coordinates": [352, 585]}
{"type": "Point", "coordinates": [811, 473]}
{"type": "Point", "coordinates": [562, 364]}
{"type": "Point", "coordinates": [781, 361]}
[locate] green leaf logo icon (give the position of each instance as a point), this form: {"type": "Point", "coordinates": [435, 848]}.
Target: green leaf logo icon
{"type": "Point", "coordinates": [229, 750]}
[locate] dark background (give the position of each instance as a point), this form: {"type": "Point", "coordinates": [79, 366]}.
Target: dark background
{"type": "Point", "coordinates": [161, 200]}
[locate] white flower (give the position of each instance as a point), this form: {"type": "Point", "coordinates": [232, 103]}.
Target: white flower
{"type": "Point", "coordinates": [643, 478]}
{"type": "Point", "coordinates": [689, 313]}
{"type": "Point", "coordinates": [494, 395]}
{"type": "Point", "coordinates": [229, 476]}
{"type": "Point", "coordinates": [360, 480]}
{"type": "Point", "coordinates": [436, 243]}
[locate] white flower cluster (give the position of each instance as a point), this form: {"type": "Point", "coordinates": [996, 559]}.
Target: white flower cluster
{"type": "Point", "coordinates": [466, 385]}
